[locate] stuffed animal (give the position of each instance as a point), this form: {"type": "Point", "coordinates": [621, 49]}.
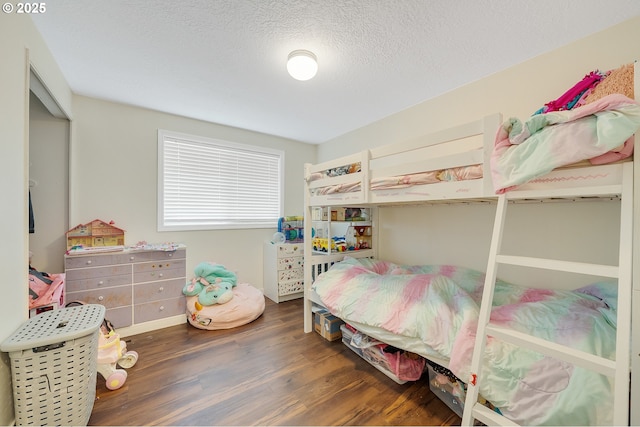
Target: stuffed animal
{"type": "Point", "coordinates": [212, 283]}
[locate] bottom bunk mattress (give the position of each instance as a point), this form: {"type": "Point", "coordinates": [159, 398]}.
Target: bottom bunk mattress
{"type": "Point", "coordinates": [438, 307]}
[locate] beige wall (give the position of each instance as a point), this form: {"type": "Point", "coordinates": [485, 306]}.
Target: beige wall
{"type": "Point", "coordinates": [114, 177]}
{"type": "Point", "coordinates": [460, 234]}
{"type": "Point", "coordinates": [517, 91]}
{"type": "Point", "coordinates": [21, 45]}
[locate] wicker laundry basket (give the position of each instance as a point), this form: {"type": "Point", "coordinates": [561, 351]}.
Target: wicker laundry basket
{"type": "Point", "coordinates": [54, 366]}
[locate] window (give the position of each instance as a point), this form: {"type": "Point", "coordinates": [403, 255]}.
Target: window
{"type": "Point", "coordinates": [207, 183]}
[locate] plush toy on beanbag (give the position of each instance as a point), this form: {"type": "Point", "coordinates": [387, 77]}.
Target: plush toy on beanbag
{"type": "Point", "coordinates": [212, 283]}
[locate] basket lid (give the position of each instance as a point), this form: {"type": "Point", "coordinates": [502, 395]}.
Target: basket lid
{"type": "Point", "coordinates": [55, 326]}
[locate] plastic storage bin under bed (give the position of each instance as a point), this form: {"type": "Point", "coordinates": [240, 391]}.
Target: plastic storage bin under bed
{"type": "Point", "coordinates": [373, 356]}
{"type": "Point", "coordinates": [54, 366]}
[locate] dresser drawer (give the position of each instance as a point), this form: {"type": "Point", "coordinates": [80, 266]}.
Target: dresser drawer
{"type": "Point", "coordinates": [110, 297]}
{"type": "Point", "coordinates": [143, 256]}
{"type": "Point", "coordinates": [98, 282]}
{"type": "Point", "coordinates": [293, 274]}
{"type": "Point", "coordinates": [82, 261]}
{"type": "Point", "coordinates": [159, 309]}
{"type": "Point", "coordinates": [120, 316]}
{"type": "Point", "coordinates": [89, 273]}
{"type": "Point", "coordinates": [154, 291]}
{"type": "Point", "coordinates": [288, 263]}
{"type": "Point", "coordinates": [151, 271]}
{"type": "Point", "coordinates": [290, 249]}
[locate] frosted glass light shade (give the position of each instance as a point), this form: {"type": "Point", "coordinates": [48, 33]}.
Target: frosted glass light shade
{"type": "Point", "coordinates": [302, 65]}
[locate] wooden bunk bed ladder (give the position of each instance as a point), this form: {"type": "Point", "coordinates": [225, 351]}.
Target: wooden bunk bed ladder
{"type": "Point", "coordinates": [617, 369]}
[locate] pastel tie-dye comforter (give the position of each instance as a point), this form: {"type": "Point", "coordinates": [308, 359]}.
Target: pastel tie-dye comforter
{"type": "Point", "coordinates": [440, 306]}
{"type": "Point", "coordinates": [598, 132]}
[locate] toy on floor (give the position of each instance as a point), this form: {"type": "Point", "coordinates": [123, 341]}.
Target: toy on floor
{"type": "Point", "coordinates": [112, 352]}
{"type": "Point", "coordinates": [213, 284]}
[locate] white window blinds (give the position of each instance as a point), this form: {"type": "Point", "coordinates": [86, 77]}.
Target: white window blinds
{"type": "Point", "coordinates": [210, 184]}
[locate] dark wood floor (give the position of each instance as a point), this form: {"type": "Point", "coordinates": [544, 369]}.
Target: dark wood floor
{"type": "Point", "coordinates": [268, 372]}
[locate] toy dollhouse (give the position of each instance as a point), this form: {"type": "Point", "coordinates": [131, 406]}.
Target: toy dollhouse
{"type": "Point", "coordinates": [96, 233]}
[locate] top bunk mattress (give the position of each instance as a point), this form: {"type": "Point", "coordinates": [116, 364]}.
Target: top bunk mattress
{"type": "Point", "coordinates": [462, 173]}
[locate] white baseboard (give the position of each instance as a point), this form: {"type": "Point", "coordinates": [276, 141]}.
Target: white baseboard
{"type": "Point", "coordinates": [141, 328]}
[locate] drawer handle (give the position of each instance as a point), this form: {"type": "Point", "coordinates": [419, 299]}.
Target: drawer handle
{"type": "Point", "coordinates": [170, 255]}
{"type": "Point", "coordinates": [101, 282]}
{"type": "Point", "coordinates": [162, 308]}
{"type": "Point", "coordinates": [131, 258]}
{"type": "Point", "coordinates": [100, 298]}
{"type": "Point", "coordinates": [161, 274]}
{"type": "Point", "coordinates": [88, 262]}
{"type": "Point", "coordinates": [161, 289]}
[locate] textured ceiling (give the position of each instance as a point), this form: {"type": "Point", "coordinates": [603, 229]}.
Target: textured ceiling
{"type": "Point", "coordinates": [223, 61]}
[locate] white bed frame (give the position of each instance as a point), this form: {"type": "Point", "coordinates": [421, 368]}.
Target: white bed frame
{"type": "Point", "coordinates": [467, 144]}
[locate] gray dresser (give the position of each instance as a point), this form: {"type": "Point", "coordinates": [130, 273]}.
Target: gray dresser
{"type": "Point", "coordinates": [134, 286]}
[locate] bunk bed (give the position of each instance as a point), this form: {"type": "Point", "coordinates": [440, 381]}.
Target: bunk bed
{"type": "Point", "coordinates": [581, 153]}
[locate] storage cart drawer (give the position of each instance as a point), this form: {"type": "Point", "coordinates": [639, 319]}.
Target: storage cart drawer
{"type": "Point", "coordinates": [290, 287]}
{"type": "Point", "coordinates": [290, 249]}
{"type": "Point", "coordinates": [293, 274]}
{"type": "Point", "coordinates": [290, 262]}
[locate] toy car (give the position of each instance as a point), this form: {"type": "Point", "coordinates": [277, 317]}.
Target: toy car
{"type": "Point", "coordinates": [338, 244]}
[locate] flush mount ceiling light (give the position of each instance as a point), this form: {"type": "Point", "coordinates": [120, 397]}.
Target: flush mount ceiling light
{"type": "Point", "coordinates": [302, 65]}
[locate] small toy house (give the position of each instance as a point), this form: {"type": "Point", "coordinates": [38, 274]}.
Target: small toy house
{"type": "Point", "coordinates": [94, 234]}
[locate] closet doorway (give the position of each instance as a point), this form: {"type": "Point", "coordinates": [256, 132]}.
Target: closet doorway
{"type": "Point", "coordinates": [49, 136]}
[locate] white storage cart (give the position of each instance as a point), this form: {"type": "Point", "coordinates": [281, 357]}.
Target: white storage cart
{"type": "Point", "coordinates": [54, 366]}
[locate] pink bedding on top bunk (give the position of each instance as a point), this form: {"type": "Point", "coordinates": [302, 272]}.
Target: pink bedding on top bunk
{"type": "Point", "coordinates": [599, 132]}
{"type": "Point", "coordinates": [461, 173]}
{"type": "Point", "coordinates": [440, 306]}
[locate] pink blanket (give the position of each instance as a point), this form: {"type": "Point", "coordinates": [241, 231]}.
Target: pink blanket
{"type": "Point", "coordinates": [44, 288]}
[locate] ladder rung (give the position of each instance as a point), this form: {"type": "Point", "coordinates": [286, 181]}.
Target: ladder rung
{"type": "Point", "coordinates": [557, 265]}
{"type": "Point", "coordinates": [576, 357]}
{"type": "Point", "coordinates": [489, 417]}
{"type": "Point", "coordinates": [599, 191]}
